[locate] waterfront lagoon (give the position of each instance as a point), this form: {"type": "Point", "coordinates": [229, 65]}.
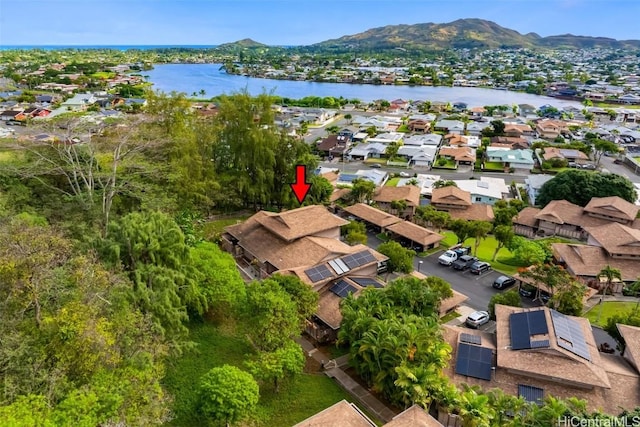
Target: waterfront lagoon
{"type": "Point", "coordinates": [190, 78]}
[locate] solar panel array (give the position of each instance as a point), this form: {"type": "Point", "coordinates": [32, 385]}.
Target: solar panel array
{"type": "Point", "coordinates": [471, 339]}
{"type": "Point", "coordinates": [339, 266]}
{"type": "Point", "coordinates": [318, 273]}
{"type": "Point", "coordinates": [358, 259]}
{"type": "Point", "coordinates": [523, 325]}
{"type": "Point", "coordinates": [474, 361]}
{"type": "Point", "coordinates": [570, 335]}
{"type": "Point", "coordinates": [540, 344]}
{"type": "Point", "coordinates": [342, 289]}
{"type": "Point", "coordinates": [367, 281]}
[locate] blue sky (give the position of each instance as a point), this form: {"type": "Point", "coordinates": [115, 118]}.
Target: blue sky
{"type": "Point", "coordinates": [290, 22]}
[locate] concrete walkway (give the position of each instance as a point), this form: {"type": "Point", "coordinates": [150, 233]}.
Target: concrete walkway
{"type": "Point", "coordinates": [334, 370]}
{"type": "Point", "coordinates": [595, 300]}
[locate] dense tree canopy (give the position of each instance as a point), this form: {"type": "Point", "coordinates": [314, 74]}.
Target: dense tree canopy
{"type": "Point", "coordinates": [579, 186]}
{"type": "Point", "coordinates": [228, 394]}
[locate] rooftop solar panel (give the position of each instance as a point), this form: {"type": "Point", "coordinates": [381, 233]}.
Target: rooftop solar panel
{"type": "Point", "coordinates": [358, 259]}
{"type": "Point", "coordinates": [474, 361]}
{"type": "Point", "coordinates": [540, 344]}
{"type": "Point", "coordinates": [570, 335]}
{"type": "Point", "coordinates": [537, 322]}
{"type": "Point", "coordinates": [471, 339]}
{"type": "Point", "coordinates": [338, 268]}
{"type": "Point", "coordinates": [342, 289]}
{"type": "Point", "coordinates": [318, 273]}
{"type": "Point", "coordinates": [519, 331]}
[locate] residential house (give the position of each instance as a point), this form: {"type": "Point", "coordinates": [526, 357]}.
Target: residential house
{"type": "Point", "coordinates": [375, 219]}
{"type": "Point", "coordinates": [432, 139]}
{"type": "Point", "coordinates": [387, 138]}
{"type": "Point", "coordinates": [518, 131]}
{"type": "Point", "coordinates": [367, 150]}
{"type": "Point", "coordinates": [631, 337]}
{"type": "Point", "coordinates": [419, 125]}
{"type": "Point", "coordinates": [305, 242]}
{"type": "Point", "coordinates": [460, 107]}
{"type": "Point", "coordinates": [422, 156]}
{"type": "Point", "coordinates": [456, 140]}
{"type": "Point", "coordinates": [9, 115]}
{"type": "Point", "coordinates": [378, 177]}
{"type": "Point", "coordinates": [526, 110]}
{"type": "Point", "coordinates": [348, 414]}
{"type": "Point", "coordinates": [461, 155]}
{"type": "Point", "coordinates": [509, 142]}
{"type": "Point", "coordinates": [333, 146]}
{"type": "Point", "coordinates": [476, 128]}
{"type": "Point", "coordinates": [485, 190]}
{"type": "Point", "coordinates": [79, 102]}
{"type": "Point", "coordinates": [477, 112]}
{"type": "Point", "coordinates": [400, 104]}
{"type": "Point", "coordinates": [450, 126]}
{"type": "Point", "coordinates": [533, 184]}
{"type": "Point", "coordinates": [569, 155]}
{"type": "Point", "coordinates": [619, 241]}
{"type": "Point", "coordinates": [439, 106]}
{"type": "Point", "coordinates": [457, 203]}
{"type": "Point", "coordinates": [629, 98]}
{"type": "Point", "coordinates": [409, 194]}
{"type": "Point", "coordinates": [538, 352]}
{"type": "Point", "coordinates": [516, 159]}
{"type": "Point", "coordinates": [563, 218]}
{"type": "Point", "coordinates": [551, 129]}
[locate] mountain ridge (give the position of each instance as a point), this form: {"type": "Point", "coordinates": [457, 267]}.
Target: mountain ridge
{"type": "Point", "coordinates": [468, 32]}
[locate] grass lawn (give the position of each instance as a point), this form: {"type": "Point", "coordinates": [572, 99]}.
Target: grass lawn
{"type": "Point", "coordinates": [392, 182]}
{"type": "Point", "coordinates": [493, 166]}
{"type": "Point", "coordinates": [214, 228]}
{"type": "Point", "coordinates": [298, 399]}
{"type": "Point", "coordinates": [7, 156]}
{"type": "Point", "coordinates": [372, 160]}
{"type": "Point", "coordinates": [449, 317]}
{"type": "Point", "coordinates": [450, 164]}
{"type": "Point", "coordinates": [504, 263]}
{"type": "Point", "coordinates": [609, 308]}
{"type": "Point", "coordinates": [104, 75]}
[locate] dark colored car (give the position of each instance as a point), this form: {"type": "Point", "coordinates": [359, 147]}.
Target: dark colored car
{"type": "Point", "coordinates": [464, 262]}
{"type": "Point", "coordinates": [504, 282]}
{"type": "Point", "coordinates": [527, 291]}
{"type": "Point", "coordinates": [375, 166]}
{"type": "Point", "coordinates": [480, 267]}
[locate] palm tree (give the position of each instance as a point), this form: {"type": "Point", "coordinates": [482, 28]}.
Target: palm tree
{"type": "Point", "coordinates": [474, 409]}
{"type": "Point", "coordinates": [609, 274]}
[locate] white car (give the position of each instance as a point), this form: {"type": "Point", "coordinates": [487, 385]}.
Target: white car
{"type": "Point", "coordinates": [448, 257]}
{"type": "Point", "coordinates": [477, 319]}
{"type": "Point", "coordinates": [404, 174]}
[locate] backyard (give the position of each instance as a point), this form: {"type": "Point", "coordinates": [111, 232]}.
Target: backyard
{"type": "Point", "coordinates": [212, 229]}
{"type": "Point", "coordinates": [392, 182]}
{"type": "Point", "coordinates": [305, 395]}
{"type": "Point", "coordinates": [599, 314]}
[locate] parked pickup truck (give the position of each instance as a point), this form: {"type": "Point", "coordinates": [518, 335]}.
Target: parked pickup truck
{"type": "Point", "coordinates": [451, 255]}
{"type": "Point", "coordinates": [464, 262]}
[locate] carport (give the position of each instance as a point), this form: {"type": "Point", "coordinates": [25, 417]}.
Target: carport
{"type": "Point", "coordinates": [414, 236]}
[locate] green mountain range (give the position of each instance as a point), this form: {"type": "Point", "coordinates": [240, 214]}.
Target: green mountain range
{"type": "Point", "coordinates": [463, 33]}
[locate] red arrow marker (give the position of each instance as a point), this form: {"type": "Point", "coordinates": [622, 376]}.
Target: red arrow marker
{"type": "Point", "coordinates": [300, 187]}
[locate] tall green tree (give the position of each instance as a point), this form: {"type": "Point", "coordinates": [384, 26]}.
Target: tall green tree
{"type": "Point", "coordinates": [275, 366]}
{"type": "Point", "coordinates": [479, 230]}
{"type": "Point", "coordinates": [460, 228]}
{"type": "Point", "coordinates": [504, 235]}
{"type": "Point", "coordinates": [227, 394]}
{"type": "Point", "coordinates": [510, 298]}
{"type": "Point", "coordinates": [362, 190]}
{"type": "Point", "coordinates": [400, 258]}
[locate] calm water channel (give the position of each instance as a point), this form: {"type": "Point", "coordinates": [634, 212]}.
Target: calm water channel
{"type": "Point", "coordinates": [189, 78]}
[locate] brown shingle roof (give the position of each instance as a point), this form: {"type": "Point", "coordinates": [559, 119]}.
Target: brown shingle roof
{"type": "Point", "coordinates": [613, 206]}
{"type": "Point", "coordinates": [342, 414]}
{"type": "Point", "coordinates": [459, 154]}
{"type": "Point", "coordinates": [372, 215]}
{"type": "Point", "coordinates": [553, 363]}
{"type": "Point", "coordinates": [561, 212]}
{"type": "Point", "coordinates": [631, 336]}
{"type": "Point", "coordinates": [415, 233]}
{"type": "Point", "coordinates": [451, 195]}
{"type": "Point", "coordinates": [475, 212]}
{"type": "Point", "coordinates": [587, 261]}
{"type": "Point", "coordinates": [616, 238]}
{"type": "Point", "coordinates": [408, 193]}
{"type": "Point", "coordinates": [555, 153]}
{"type": "Point", "coordinates": [413, 417]}
{"type": "Point", "coordinates": [339, 193]}
{"type": "Point", "coordinates": [296, 223]}
{"type": "Point", "coordinates": [527, 216]}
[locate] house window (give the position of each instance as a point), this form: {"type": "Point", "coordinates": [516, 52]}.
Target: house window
{"type": "Point", "coordinates": [478, 199]}
{"type": "Point", "coordinates": [531, 394]}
